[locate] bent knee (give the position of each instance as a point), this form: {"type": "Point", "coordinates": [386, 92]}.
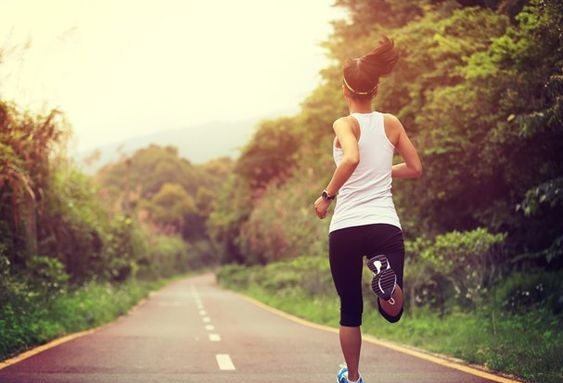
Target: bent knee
{"type": "Point", "coordinates": [390, 318]}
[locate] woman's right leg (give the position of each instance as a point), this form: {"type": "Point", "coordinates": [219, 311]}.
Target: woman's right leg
{"type": "Point", "coordinates": [351, 345]}
{"type": "Point", "coordinates": [346, 264]}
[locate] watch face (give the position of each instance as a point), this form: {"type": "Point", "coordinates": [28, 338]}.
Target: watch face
{"type": "Point", "coordinates": [326, 196]}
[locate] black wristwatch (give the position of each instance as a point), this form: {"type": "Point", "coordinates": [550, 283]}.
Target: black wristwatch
{"type": "Point", "coordinates": [327, 197]}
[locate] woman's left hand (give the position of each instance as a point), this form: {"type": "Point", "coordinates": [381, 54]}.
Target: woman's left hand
{"type": "Point", "coordinates": [321, 207]}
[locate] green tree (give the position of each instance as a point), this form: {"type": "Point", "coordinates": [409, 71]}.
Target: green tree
{"type": "Point", "coordinates": [172, 206]}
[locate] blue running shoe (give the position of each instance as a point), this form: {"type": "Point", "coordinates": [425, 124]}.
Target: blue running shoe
{"type": "Point", "coordinates": [342, 375]}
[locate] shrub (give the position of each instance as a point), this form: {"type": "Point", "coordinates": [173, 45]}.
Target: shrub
{"type": "Point", "coordinates": [521, 292]}
{"type": "Point", "coordinates": [469, 261]}
{"type": "Point", "coordinates": [46, 276]}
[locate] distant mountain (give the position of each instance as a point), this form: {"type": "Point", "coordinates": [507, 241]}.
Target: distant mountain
{"type": "Point", "coordinates": [196, 143]}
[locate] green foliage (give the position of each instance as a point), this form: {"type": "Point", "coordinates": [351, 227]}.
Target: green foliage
{"type": "Point", "coordinates": [46, 276]}
{"type": "Point", "coordinates": [303, 275]}
{"type": "Point", "coordinates": [523, 292]}
{"type": "Point", "coordinates": [26, 141]}
{"type": "Point", "coordinates": [129, 176]}
{"type": "Point", "coordinates": [470, 261]}
{"type": "Point", "coordinates": [231, 208]}
{"type": "Point", "coordinates": [269, 155]}
{"type": "Point", "coordinates": [73, 226]}
{"type": "Point", "coordinates": [283, 225]}
{"type": "Point", "coordinates": [166, 256]}
{"type": "Point", "coordinates": [455, 270]}
{"type": "Point", "coordinates": [172, 206]}
{"type": "Point", "coordinates": [125, 245]}
{"type": "Point", "coordinates": [548, 193]}
{"type": "Point", "coordinates": [178, 196]}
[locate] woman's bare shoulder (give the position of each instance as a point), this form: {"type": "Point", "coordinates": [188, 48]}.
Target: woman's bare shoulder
{"type": "Point", "coordinates": [393, 128]}
{"type": "Point", "coordinates": [392, 121]}
{"type": "Point", "coordinates": [348, 121]}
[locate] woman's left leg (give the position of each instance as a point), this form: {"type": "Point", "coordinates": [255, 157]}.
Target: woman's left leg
{"type": "Point", "coordinates": [346, 264]}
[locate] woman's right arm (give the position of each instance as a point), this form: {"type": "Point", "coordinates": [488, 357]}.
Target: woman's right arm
{"type": "Point", "coordinates": [412, 167]}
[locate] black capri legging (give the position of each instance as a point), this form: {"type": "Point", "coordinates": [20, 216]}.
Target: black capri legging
{"type": "Point", "coordinates": [347, 247]}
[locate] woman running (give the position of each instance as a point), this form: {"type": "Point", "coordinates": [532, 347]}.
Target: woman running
{"type": "Point", "coordinates": [365, 222]}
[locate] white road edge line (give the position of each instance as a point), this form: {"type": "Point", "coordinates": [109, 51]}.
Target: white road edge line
{"type": "Point", "coordinates": [225, 363]}
{"type": "Point", "coordinates": [214, 337]}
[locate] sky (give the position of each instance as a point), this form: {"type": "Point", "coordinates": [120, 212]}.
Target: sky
{"type": "Point", "coordinates": [124, 68]}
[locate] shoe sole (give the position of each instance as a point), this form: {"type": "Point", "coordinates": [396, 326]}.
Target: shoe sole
{"type": "Point", "coordinates": [384, 281]}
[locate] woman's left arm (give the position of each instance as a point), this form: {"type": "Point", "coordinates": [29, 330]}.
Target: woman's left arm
{"type": "Point", "coordinates": [343, 127]}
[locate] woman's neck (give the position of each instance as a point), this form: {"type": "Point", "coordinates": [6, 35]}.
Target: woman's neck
{"type": "Point", "coordinates": [357, 106]}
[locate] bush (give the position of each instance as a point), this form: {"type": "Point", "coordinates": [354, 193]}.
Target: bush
{"type": "Point", "coordinates": [11, 289]}
{"type": "Point", "coordinates": [523, 292]}
{"type": "Point", "coordinates": [46, 276]}
{"type": "Point", "coordinates": [75, 227]}
{"type": "Point", "coordinates": [457, 265]}
{"type": "Point", "coordinates": [234, 276]}
{"type": "Point", "coordinates": [125, 245]}
{"type": "Point", "coordinates": [305, 275]}
{"type": "Point", "coordinates": [283, 224]}
{"type": "Point", "coordinates": [165, 256]}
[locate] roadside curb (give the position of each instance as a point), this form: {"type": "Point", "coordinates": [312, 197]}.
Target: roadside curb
{"type": "Point", "coordinates": [446, 361]}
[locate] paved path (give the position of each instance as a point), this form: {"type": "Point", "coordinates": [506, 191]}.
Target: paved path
{"type": "Point", "coordinates": [193, 331]}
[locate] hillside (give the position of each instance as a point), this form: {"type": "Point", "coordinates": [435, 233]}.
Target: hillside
{"type": "Point", "coordinates": [198, 143]}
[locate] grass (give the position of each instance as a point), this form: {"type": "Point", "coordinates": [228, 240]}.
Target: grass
{"type": "Point", "coordinates": [528, 345]}
{"type": "Point", "coordinates": [37, 321]}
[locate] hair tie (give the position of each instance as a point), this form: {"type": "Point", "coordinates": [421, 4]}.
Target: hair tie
{"type": "Point", "coordinates": [358, 92]}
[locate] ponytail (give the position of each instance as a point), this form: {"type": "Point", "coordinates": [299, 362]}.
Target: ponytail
{"type": "Point", "coordinates": [361, 75]}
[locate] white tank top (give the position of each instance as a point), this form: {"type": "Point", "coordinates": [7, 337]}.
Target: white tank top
{"type": "Point", "coordinates": [366, 198]}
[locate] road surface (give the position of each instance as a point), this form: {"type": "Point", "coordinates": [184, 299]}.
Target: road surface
{"type": "Point", "coordinates": [194, 331]}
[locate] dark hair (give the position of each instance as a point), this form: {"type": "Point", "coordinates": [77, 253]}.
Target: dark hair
{"type": "Point", "coordinates": [361, 75]}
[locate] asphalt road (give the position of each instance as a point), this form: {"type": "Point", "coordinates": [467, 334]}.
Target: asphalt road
{"type": "Point", "coordinates": [194, 331]}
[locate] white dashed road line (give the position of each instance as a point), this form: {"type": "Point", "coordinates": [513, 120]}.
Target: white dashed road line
{"type": "Point", "coordinates": [214, 337]}
{"type": "Point", "coordinates": [224, 361]}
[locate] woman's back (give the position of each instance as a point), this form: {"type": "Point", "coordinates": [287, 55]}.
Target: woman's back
{"type": "Point", "coordinates": [366, 196]}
